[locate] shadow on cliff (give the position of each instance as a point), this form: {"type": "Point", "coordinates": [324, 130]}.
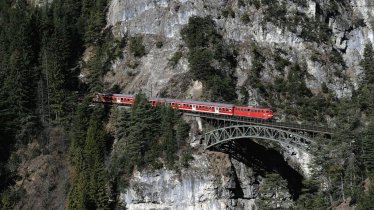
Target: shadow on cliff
{"type": "Point", "coordinates": [264, 160]}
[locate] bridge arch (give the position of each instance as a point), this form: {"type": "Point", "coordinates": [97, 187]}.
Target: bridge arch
{"type": "Point", "coordinates": [221, 135]}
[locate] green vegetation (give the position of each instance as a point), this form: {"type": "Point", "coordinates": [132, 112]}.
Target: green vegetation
{"type": "Point", "coordinates": [39, 65]}
{"type": "Point", "coordinates": [136, 46]}
{"type": "Point", "coordinates": [206, 47]}
{"type": "Point", "coordinates": [228, 12]}
{"type": "Point", "coordinates": [368, 64]}
{"type": "Point", "coordinates": [346, 160]}
{"type": "Point", "coordinates": [147, 138]}
{"type": "Point", "coordinates": [87, 151]}
{"type": "Point", "coordinates": [40, 50]}
{"type": "Point", "coordinates": [175, 59]}
{"type": "Point", "coordinates": [245, 18]}
{"type": "Point", "coordinates": [268, 195]}
{"type": "Point", "coordinates": [159, 44]}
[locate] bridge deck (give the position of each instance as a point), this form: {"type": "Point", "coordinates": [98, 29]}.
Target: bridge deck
{"type": "Point", "coordinates": [253, 121]}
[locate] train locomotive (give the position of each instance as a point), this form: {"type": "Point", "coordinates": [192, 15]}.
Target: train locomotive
{"type": "Point", "coordinates": [192, 106]}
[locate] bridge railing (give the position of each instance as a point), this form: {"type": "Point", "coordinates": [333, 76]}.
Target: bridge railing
{"type": "Point", "coordinates": [287, 125]}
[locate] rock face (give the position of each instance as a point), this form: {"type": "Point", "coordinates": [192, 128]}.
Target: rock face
{"type": "Point", "coordinates": [162, 20]}
{"type": "Point", "coordinates": [226, 184]}
{"type": "Point", "coordinates": [210, 183]}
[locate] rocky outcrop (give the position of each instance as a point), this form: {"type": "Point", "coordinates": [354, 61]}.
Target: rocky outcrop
{"type": "Point", "coordinates": [226, 183]}
{"type": "Point", "coordinates": [210, 183]}
{"type": "Point", "coordinates": [163, 19]}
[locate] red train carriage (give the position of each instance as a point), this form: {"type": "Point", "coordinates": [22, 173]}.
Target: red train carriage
{"type": "Point", "coordinates": [104, 98]}
{"type": "Point", "coordinates": [207, 107]}
{"type": "Point", "coordinates": [195, 106]}
{"type": "Point", "coordinates": [256, 112]}
{"type": "Point", "coordinates": [123, 99]}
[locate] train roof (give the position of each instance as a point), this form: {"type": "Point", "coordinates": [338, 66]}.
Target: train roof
{"type": "Point", "coordinates": [190, 101]}
{"type": "Point", "coordinates": [124, 95]}
{"type": "Point", "coordinates": [195, 102]}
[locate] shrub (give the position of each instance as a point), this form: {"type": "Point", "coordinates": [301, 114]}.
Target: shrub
{"type": "Point", "coordinates": [200, 63]}
{"type": "Point", "coordinates": [159, 44]}
{"type": "Point", "coordinates": [336, 57]}
{"type": "Point", "coordinates": [245, 18]}
{"type": "Point", "coordinates": [199, 32]}
{"type": "Point", "coordinates": [281, 63]}
{"type": "Point", "coordinates": [136, 46]}
{"type": "Point", "coordinates": [175, 59]}
{"type": "Point", "coordinates": [221, 88]}
{"type": "Point", "coordinates": [228, 12]}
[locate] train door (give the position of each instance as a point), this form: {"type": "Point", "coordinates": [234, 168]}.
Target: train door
{"type": "Point", "coordinates": [216, 109]}
{"type": "Point", "coordinates": [118, 100]}
{"type": "Point", "coordinates": [193, 107]}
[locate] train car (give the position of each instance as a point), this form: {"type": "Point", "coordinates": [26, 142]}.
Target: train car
{"type": "Point", "coordinates": [207, 107]}
{"type": "Point", "coordinates": [103, 98]}
{"type": "Point", "coordinates": [123, 99]}
{"type": "Point", "coordinates": [194, 106]}
{"type": "Point", "coordinates": [255, 112]}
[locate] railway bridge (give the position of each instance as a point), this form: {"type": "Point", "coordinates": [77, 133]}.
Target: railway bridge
{"type": "Point", "coordinates": [227, 129]}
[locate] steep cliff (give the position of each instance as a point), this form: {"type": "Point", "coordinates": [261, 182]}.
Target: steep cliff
{"type": "Point", "coordinates": [326, 38]}
{"type": "Point", "coordinates": [351, 26]}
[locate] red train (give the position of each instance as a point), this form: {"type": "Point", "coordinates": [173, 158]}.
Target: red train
{"type": "Point", "coordinates": [194, 106]}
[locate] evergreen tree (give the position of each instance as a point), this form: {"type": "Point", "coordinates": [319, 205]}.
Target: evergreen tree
{"type": "Point", "coordinates": [367, 63]}
{"type": "Point", "coordinates": [181, 132]}
{"type": "Point", "coordinates": [168, 140]}
{"type": "Point", "coordinates": [366, 202]}
{"type": "Point", "coordinates": [368, 147]}
{"type": "Point", "coordinates": [77, 196]}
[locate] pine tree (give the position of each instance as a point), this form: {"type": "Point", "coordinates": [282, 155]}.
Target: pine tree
{"type": "Point", "coordinates": [77, 196]}
{"type": "Point", "coordinates": [367, 64]}
{"type": "Point", "coordinates": [368, 147]}
{"type": "Point", "coordinates": [168, 140]}
{"type": "Point", "coordinates": [182, 132]}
